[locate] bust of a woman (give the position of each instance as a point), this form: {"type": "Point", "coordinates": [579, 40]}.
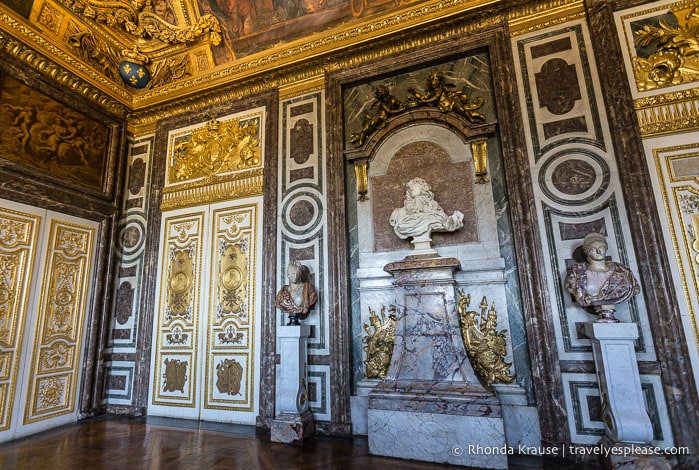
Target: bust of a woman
{"type": "Point", "coordinates": [297, 298]}
{"type": "Point", "coordinates": [599, 283]}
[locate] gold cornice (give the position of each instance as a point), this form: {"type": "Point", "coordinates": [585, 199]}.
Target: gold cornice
{"type": "Point", "coordinates": [669, 113]}
{"type": "Point", "coordinates": [304, 75]}
{"type": "Point", "coordinates": [543, 14]}
{"type": "Point", "coordinates": [217, 189]}
{"type": "Point", "coordinates": [301, 87]}
{"type": "Point", "coordinates": [15, 41]}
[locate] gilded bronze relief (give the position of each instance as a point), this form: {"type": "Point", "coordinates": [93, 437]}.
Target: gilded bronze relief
{"type": "Point", "coordinates": [229, 375]}
{"type": "Point", "coordinates": [485, 345]}
{"type": "Point", "coordinates": [214, 149]}
{"type": "Point", "coordinates": [43, 134]}
{"type": "Point", "coordinates": [378, 343]}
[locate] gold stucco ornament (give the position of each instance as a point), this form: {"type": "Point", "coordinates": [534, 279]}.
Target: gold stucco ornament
{"type": "Point", "coordinates": [670, 50]}
{"type": "Point", "coordinates": [378, 344]}
{"type": "Point", "coordinates": [486, 347]}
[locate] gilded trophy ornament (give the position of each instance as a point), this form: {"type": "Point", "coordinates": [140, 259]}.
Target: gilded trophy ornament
{"type": "Point", "coordinates": [378, 343]}
{"type": "Point", "coordinates": [486, 347]}
{"type": "Point", "coordinates": [215, 149]}
{"type": "Point", "coordinates": [674, 46]}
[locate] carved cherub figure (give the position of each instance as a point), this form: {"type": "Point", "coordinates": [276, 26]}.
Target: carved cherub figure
{"type": "Point", "coordinates": [444, 96]}
{"type": "Point", "coordinates": [386, 105]}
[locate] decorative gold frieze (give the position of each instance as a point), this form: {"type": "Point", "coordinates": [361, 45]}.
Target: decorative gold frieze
{"type": "Point", "coordinates": [668, 113]}
{"type": "Point", "coordinates": [378, 343]}
{"type": "Point", "coordinates": [542, 14]}
{"type": "Point", "coordinates": [219, 189]}
{"type": "Point", "coordinates": [486, 347]}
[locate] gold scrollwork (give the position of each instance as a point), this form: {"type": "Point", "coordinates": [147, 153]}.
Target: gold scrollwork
{"type": "Point", "coordinates": [138, 19]}
{"type": "Point", "coordinates": [485, 346]}
{"type": "Point", "coordinates": [695, 243]}
{"type": "Point", "coordinates": [232, 278]}
{"type": "Point", "coordinates": [378, 344]}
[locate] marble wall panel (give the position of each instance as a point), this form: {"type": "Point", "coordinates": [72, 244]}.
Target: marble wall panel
{"type": "Point", "coordinates": [577, 190]}
{"type": "Point", "coordinates": [120, 361]}
{"type": "Point", "coordinates": [302, 228]}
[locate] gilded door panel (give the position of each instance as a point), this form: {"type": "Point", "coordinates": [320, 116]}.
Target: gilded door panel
{"type": "Point", "coordinates": [55, 364]}
{"type": "Point", "coordinates": [176, 331]}
{"type": "Point", "coordinates": [18, 245]}
{"type": "Point", "coordinates": [230, 345]}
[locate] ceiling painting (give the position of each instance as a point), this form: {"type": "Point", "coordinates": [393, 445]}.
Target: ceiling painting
{"type": "Point", "coordinates": [147, 52]}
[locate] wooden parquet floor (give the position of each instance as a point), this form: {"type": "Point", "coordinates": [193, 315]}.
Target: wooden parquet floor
{"type": "Point", "coordinates": [113, 443]}
{"type": "Point", "coordinates": [119, 444]}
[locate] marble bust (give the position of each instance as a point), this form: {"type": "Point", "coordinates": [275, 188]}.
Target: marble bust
{"type": "Point", "coordinates": [421, 215]}
{"type": "Point", "coordinates": [297, 298]}
{"type": "Point", "coordinates": [599, 283]}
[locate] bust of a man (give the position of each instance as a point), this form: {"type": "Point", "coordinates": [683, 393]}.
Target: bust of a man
{"type": "Point", "coordinates": [599, 283]}
{"type": "Point", "coordinates": [421, 215]}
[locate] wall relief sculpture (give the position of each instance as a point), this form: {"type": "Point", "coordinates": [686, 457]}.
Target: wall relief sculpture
{"type": "Point", "coordinates": [486, 347]}
{"type": "Point", "coordinates": [39, 132]}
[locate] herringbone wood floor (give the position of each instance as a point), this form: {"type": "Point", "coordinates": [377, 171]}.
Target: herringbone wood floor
{"type": "Point", "coordinates": [107, 444]}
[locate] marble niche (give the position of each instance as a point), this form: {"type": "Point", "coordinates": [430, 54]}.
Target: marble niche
{"type": "Point", "coordinates": [390, 276]}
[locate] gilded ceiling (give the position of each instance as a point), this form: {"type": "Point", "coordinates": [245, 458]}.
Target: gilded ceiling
{"type": "Point", "coordinates": [145, 52]}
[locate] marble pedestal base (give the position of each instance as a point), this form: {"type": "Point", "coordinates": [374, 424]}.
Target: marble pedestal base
{"type": "Point", "coordinates": [624, 409]}
{"type": "Point", "coordinates": [292, 428]}
{"type": "Point", "coordinates": [294, 420]}
{"type": "Point", "coordinates": [431, 406]}
{"type": "Point", "coordinates": [472, 441]}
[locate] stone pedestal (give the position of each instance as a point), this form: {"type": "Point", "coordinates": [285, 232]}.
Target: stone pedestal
{"type": "Point", "coordinates": [294, 421]}
{"type": "Point", "coordinates": [431, 406]}
{"type": "Point", "coordinates": [624, 411]}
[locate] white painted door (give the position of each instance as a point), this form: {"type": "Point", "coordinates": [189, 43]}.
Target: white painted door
{"type": "Point", "coordinates": [206, 332]}
{"type": "Point", "coordinates": [46, 263]}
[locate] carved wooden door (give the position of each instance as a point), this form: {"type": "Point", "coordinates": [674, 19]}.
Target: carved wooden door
{"type": "Point", "coordinates": [205, 361]}
{"type": "Point", "coordinates": [46, 260]}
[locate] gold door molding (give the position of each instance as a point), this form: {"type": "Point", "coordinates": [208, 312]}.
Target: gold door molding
{"type": "Point", "coordinates": [176, 330]}
{"type": "Point", "coordinates": [230, 346]}
{"type": "Point", "coordinates": [55, 363]}
{"type": "Point", "coordinates": [18, 246]}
